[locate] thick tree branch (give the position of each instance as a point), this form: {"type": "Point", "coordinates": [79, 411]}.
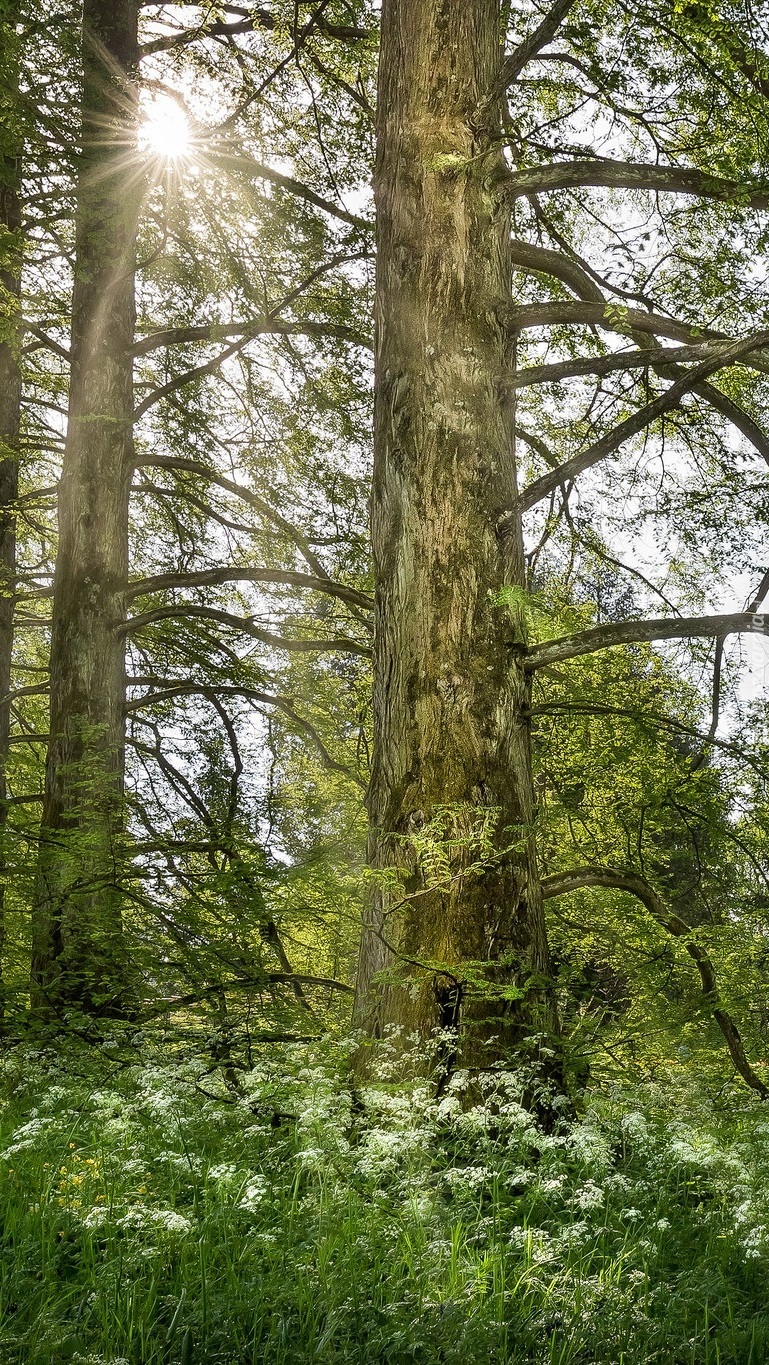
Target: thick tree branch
{"type": "Point", "coordinates": [542, 260]}
{"type": "Point", "coordinates": [628, 175]}
{"type": "Point", "coordinates": [49, 342]}
{"type": "Point", "coordinates": [616, 362]}
{"type": "Point", "coordinates": [613, 317]}
{"type": "Point", "coordinates": [248, 330]}
{"type": "Point", "coordinates": [636, 632]}
{"type": "Point", "coordinates": [756, 599]}
{"type": "Point", "coordinates": [205, 577]}
{"type": "Point", "coordinates": [545, 31]}
{"type": "Point", "coordinates": [564, 882]}
{"type": "Point", "coordinates": [737, 416]}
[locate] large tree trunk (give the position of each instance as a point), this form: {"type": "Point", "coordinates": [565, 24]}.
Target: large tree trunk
{"type": "Point", "coordinates": [461, 940]}
{"type": "Point", "coordinates": [10, 409]}
{"type": "Point", "coordinates": [77, 936]}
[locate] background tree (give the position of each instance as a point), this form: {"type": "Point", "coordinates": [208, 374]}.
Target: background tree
{"type": "Point", "coordinates": [10, 400]}
{"type": "Point", "coordinates": [77, 951]}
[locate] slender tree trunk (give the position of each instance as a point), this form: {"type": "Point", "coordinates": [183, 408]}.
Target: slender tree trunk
{"type": "Point", "coordinates": [10, 410]}
{"type": "Point", "coordinates": [461, 938]}
{"type": "Point", "coordinates": [77, 936]}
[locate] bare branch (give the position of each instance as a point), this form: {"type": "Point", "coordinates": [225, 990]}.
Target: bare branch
{"type": "Point", "coordinates": [638, 421]}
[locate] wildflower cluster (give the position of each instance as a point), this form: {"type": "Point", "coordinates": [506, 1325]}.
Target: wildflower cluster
{"type": "Point", "coordinates": [304, 1218]}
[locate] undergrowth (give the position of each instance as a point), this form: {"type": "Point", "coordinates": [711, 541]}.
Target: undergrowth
{"type": "Point", "coordinates": [154, 1214]}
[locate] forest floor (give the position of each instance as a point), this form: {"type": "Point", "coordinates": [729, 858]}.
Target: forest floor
{"type": "Point", "coordinates": [156, 1212]}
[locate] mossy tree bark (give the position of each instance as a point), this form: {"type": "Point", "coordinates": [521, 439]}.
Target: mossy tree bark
{"type": "Point", "coordinates": [460, 940]}
{"type": "Point", "coordinates": [10, 410]}
{"type": "Point", "coordinates": [78, 957]}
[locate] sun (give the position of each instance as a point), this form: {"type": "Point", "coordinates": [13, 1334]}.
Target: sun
{"type": "Point", "coordinates": [165, 131]}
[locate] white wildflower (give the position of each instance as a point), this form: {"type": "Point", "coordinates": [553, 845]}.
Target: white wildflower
{"type": "Point", "coordinates": [521, 1237]}
{"type": "Point", "coordinates": [755, 1242]}
{"type": "Point", "coordinates": [553, 1185]}
{"type": "Point", "coordinates": [180, 1161]}
{"type": "Point", "coordinates": [253, 1193]}
{"type": "Point", "coordinates": [466, 1177]}
{"type": "Point", "coordinates": [96, 1217]}
{"type": "Point", "coordinates": [165, 1220]}
{"type": "Point", "coordinates": [222, 1174]}
{"type": "Point", "coordinates": [591, 1146]}
{"type": "Point", "coordinates": [635, 1127]}
{"type": "Point", "coordinates": [574, 1234]}
{"type": "Point", "coordinates": [588, 1196]}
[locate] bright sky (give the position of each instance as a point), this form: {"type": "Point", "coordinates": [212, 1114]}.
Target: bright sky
{"type": "Point", "coordinates": [165, 130]}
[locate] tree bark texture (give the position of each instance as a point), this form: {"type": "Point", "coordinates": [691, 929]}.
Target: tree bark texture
{"type": "Point", "coordinates": [77, 935]}
{"type": "Point", "coordinates": [10, 410]}
{"type": "Point", "coordinates": [457, 939]}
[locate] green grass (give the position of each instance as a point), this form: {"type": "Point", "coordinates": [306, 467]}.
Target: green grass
{"type": "Point", "coordinates": [146, 1222]}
